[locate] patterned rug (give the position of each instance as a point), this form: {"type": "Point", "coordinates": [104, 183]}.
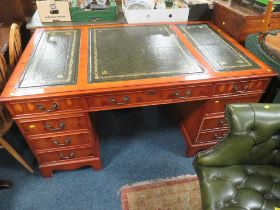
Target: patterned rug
{"type": "Point", "coordinates": [181, 193]}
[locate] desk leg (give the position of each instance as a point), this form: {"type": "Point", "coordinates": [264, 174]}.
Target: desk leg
{"type": "Point", "coordinates": [190, 116]}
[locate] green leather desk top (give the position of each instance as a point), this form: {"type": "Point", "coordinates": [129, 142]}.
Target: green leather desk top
{"type": "Point", "coordinates": [54, 61]}
{"type": "Point", "coordinates": [137, 52]}
{"type": "Point", "coordinates": [128, 53]}
{"type": "Point", "coordinates": [221, 54]}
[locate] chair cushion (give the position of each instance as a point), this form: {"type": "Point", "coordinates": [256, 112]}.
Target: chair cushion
{"type": "Point", "coordinates": [240, 187]}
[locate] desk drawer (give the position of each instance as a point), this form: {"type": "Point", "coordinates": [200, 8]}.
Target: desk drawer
{"type": "Point", "coordinates": [60, 141]}
{"type": "Point", "coordinates": [218, 106]}
{"type": "Point", "coordinates": [47, 106]}
{"type": "Point", "coordinates": [53, 125]}
{"type": "Point", "coordinates": [214, 123]}
{"type": "Point", "coordinates": [65, 155]}
{"type": "Point", "coordinates": [241, 87]}
{"type": "Point", "coordinates": [211, 136]}
{"type": "Point", "coordinates": [149, 96]}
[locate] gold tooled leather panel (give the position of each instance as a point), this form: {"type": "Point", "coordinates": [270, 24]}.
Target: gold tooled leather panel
{"type": "Point", "coordinates": [54, 60]}
{"type": "Point", "coordinates": [136, 52]}
{"type": "Point", "coordinates": [221, 54]}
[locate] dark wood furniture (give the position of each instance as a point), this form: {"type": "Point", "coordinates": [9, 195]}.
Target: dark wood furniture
{"type": "Point", "coordinates": [239, 21]}
{"type": "Point", "coordinates": [4, 38]}
{"type": "Point", "coordinates": [16, 11]}
{"type": "Point", "coordinates": [66, 73]}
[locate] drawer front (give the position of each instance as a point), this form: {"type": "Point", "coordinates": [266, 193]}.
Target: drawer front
{"type": "Point", "coordinates": [218, 15]}
{"type": "Point", "coordinates": [274, 23]}
{"type": "Point", "coordinates": [60, 141]}
{"type": "Point", "coordinates": [214, 123]}
{"type": "Point", "coordinates": [54, 125]}
{"type": "Point", "coordinates": [241, 87]}
{"type": "Point", "coordinates": [253, 25]}
{"type": "Point", "coordinates": [232, 24]}
{"type": "Point", "coordinates": [47, 106]}
{"type": "Point", "coordinates": [65, 155]}
{"type": "Point", "coordinates": [218, 106]}
{"type": "Point", "coordinates": [149, 96]}
{"type": "Point", "coordinates": [228, 22]}
{"type": "Point", "coordinates": [211, 136]}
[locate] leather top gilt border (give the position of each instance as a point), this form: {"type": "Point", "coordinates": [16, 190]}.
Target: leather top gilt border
{"type": "Point", "coordinates": [126, 53]}
{"type": "Point", "coordinates": [81, 86]}
{"type": "Point", "coordinates": [54, 60]}
{"type": "Point", "coordinates": [220, 53]}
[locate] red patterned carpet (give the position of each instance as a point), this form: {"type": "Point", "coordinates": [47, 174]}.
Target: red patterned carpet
{"type": "Point", "coordinates": [181, 193]}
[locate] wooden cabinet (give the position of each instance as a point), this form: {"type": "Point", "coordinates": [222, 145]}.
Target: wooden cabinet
{"type": "Point", "coordinates": [239, 21]}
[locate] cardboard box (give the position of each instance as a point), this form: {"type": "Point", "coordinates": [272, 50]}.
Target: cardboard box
{"type": "Point", "coordinates": [155, 15]}
{"type": "Point", "coordinates": [53, 11]}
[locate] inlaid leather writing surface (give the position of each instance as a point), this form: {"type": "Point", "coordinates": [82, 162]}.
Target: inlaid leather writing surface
{"type": "Point", "coordinates": [222, 55]}
{"type": "Point", "coordinates": [54, 61]}
{"type": "Point", "coordinates": [126, 53]}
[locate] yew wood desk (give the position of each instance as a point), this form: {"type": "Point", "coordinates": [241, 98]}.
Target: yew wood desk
{"type": "Point", "coordinates": [66, 73]}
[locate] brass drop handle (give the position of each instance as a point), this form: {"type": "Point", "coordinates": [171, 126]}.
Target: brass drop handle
{"type": "Point", "coordinates": [188, 94]}
{"type": "Point", "coordinates": [246, 88]}
{"type": "Point", "coordinates": [66, 142]}
{"type": "Point", "coordinates": [63, 157]}
{"type": "Point", "coordinates": [222, 122]}
{"type": "Point", "coordinates": [114, 101]}
{"type": "Point", "coordinates": [53, 108]}
{"type": "Point", "coordinates": [235, 89]}
{"type": "Point", "coordinates": [217, 137]}
{"type": "Point", "coordinates": [61, 125]}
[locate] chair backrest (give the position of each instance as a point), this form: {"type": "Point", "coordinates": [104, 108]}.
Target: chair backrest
{"type": "Point", "coordinates": [14, 45]}
{"type": "Point", "coordinates": [3, 72]}
{"type": "Point", "coordinates": [254, 137]}
{"type": "Point", "coordinates": [5, 117]}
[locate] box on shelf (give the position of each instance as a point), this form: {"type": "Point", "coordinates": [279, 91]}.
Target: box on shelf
{"type": "Point", "coordinates": [80, 15]}
{"type": "Point", "coordinates": [260, 5]}
{"type": "Point", "coordinates": [53, 11]}
{"type": "Point", "coordinates": [155, 15]}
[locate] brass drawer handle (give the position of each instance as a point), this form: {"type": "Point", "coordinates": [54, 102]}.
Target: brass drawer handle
{"type": "Point", "coordinates": [217, 137]}
{"type": "Point", "coordinates": [61, 125]}
{"type": "Point", "coordinates": [63, 157]}
{"type": "Point", "coordinates": [246, 88]}
{"type": "Point", "coordinates": [236, 90]}
{"type": "Point", "coordinates": [222, 122]}
{"type": "Point", "coordinates": [114, 101]}
{"type": "Point", "coordinates": [187, 94]}
{"type": "Point", "coordinates": [66, 143]}
{"type": "Point", "coordinates": [53, 108]}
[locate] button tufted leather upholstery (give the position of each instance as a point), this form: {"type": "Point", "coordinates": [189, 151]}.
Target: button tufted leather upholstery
{"type": "Point", "coordinates": [242, 172]}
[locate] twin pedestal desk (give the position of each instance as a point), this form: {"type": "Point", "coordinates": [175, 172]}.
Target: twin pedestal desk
{"type": "Point", "coordinates": [66, 73]}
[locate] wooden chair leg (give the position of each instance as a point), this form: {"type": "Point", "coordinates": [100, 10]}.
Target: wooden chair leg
{"type": "Point", "coordinates": [14, 153]}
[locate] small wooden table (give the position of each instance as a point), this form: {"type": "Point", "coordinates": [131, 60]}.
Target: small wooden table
{"type": "Point", "coordinates": [66, 73]}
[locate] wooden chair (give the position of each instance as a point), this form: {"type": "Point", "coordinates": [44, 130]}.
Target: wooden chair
{"type": "Point", "coordinates": [6, 120]}
{"type": "Point", "coordinates": [267, 17]}
{"type": "Point", "coordinates": [14, 45]}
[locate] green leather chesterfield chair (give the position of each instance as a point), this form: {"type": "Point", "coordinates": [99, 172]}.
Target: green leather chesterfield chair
{"type": "Point", "coordinates": [242, 172]}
